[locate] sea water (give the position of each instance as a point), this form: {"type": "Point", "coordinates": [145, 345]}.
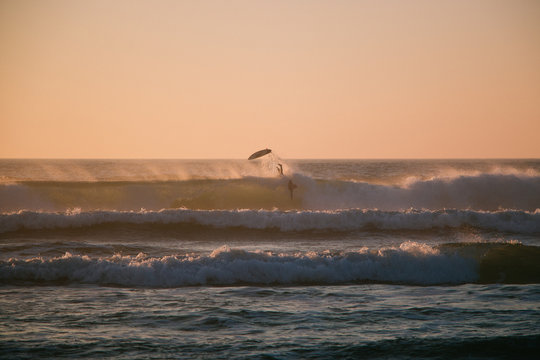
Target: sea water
{"type": "Point", "coordinates": [213, 259]}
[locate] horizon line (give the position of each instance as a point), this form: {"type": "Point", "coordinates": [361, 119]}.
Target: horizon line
{"type": "Point", "coordinates": [290, 158]}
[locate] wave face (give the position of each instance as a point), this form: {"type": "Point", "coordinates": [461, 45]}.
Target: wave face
{"type": "Point", "coordinates": [477, 192]}
{"type": "Point", "coordinates": [46, 185]}
{"type": "Point", "coordinates": [520, 222]}
{"type": "Point", "coordinates": [410, 263]}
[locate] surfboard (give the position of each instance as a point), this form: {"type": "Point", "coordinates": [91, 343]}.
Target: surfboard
{"type": "Point", "coordinates": [259, 153]}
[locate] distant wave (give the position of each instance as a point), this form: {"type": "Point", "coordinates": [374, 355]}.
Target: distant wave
{"type": "Point", "coordinates": [487, 191]}
{"type": "Point", "coordinates": [411, 263]}
{"type": "Point", "coordinates": [309, 220]}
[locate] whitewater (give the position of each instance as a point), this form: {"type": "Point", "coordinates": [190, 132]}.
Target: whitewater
{"type": "Point", "coordinates": [212, 258]}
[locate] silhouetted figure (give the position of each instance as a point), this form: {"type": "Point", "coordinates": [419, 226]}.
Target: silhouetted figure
{"type": "Point", "coordinates": [292, 186]}
{"type": "Point", "coordinates": [280, 169]}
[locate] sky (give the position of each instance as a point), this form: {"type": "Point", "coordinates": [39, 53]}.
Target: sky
{"type": "Point", "coordinates": [309, 79]}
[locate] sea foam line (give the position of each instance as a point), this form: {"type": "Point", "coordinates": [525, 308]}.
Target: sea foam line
{"type": "Point", "coordinates": [411, 263]}
{"type": "Point", "coordinates": [340, 220]}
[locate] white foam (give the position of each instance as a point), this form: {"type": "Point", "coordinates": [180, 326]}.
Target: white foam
{"type": "Point", "coordinates": [411, 263]}
{"type": "Point", "coordinates": [341, 220]}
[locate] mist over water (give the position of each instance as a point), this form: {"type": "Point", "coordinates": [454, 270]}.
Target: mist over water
{"type": "Point", "coordinates": [58, 185]}
{"type": "Point", "coordinates": [151, 249]}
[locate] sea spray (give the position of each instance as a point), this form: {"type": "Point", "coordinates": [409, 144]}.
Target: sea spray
{"type": "Point", "coordinates": [488, 192]}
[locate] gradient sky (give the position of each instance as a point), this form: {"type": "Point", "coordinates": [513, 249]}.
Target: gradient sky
{"type": "Point", "coordinates": [309, 79]}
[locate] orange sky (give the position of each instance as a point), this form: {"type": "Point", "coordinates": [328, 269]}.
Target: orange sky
{"type": "Point", "coordinates": [309, 79]}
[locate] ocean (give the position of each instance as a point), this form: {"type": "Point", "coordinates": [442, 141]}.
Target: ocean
{"type": "Point", "coordinates": [219, 259]}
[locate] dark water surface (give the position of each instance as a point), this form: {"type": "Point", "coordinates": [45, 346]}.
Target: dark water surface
{"type": "Point", "coordinates": [373, 320]}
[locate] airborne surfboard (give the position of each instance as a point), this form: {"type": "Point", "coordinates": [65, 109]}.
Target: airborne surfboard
{"type": "Point", "coordinates": [259, 153]}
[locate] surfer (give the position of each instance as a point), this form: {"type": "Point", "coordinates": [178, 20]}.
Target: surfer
{"type": "Point", "coordinates": [291, 186]}
{"type": "Point", "coordinates": [280, 169]}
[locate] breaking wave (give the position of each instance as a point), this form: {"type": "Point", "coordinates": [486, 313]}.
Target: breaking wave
{"type": "Point", "coordinates": [479, 192]}
{"type": "Point", "coordinates": [410, 263]}
{"type": "Point", "coordinates": [309, 220]}
{"type": "Point", "coordinates": [488, 192]}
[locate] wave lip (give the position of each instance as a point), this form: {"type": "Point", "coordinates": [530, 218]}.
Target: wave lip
{"type": "Point", "coordinates": [340, 220]}
{"type": "Point", "coordinates": [411, 263]}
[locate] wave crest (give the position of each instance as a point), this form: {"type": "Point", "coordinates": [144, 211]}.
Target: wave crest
{"type": "Point", "coordinates": [410, 263]}
{"type": "Point", "coordinates": [407, 264]}
{"type": "Point", "coordinates": [479, 192]}
{"type": "Point", "coordinates": [340, 220]}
